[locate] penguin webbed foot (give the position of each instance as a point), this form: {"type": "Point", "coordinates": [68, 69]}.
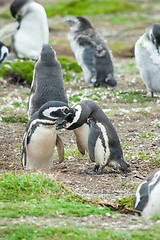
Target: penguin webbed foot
{"type": "Point", "coordinates": [96, 170]}
{"type": "Point", "coordinates": [149, 95]}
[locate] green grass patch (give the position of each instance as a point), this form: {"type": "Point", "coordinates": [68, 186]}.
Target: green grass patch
{"type": "Point", "coordinates": [89, 7]}
{"type": "Point", "coordinates": [24, 68]}
{"type": "Point", "coordinates": [126, 202]}
{"type": "Point", "coordinates": [129, 96]}
{"type": "Point", "coordinates": [69, 65]}
{"type": "Point", "coordinates": [14, 118]}
{"type": "Point", "coordinates": [147, 134]}
{"type": "Point", "coordinates": [32, 232]}
{"type": "Point", "coordinates": [5, 15]}
{"type": "Point", "coordinates": [37, 195]}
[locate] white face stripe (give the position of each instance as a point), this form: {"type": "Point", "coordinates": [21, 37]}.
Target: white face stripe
{"type": "Point", "coordinates": [155, 178]}
{"type": "Point", "coordinates": [48, 111]}
{"type": "Point", "coordinates": [77, 115]}
{"type": "Point", "coordinates": [3, 51]}
{"type": "Point", "coordinates": [138, 196]}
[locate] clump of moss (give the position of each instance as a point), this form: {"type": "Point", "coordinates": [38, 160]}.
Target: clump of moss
{"type": "Point", "coordinates": [89, 7]}
{"type": "Point", "coordinates": [126, 202]}
{"type": "Point", "coordinates": [22, 68]}
{"type": "Point", "coordinates": [6, 15]}
{"type": "Point", "coordinates": [68, 64]}
{"type": "Point", "coordinates": [14, 118]}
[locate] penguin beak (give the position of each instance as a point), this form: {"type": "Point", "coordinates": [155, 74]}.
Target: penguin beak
{"type": "Point", "coordinates": [70, 22]}
{"type": "Point", "coordinates": [60, 123]}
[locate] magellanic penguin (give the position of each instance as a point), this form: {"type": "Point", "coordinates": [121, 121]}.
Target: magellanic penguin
{"type": "Point", "coordinates": [96, 135]}
{"type": "Point", "coordinates": [3, 52]}
{"type": "Point", "coordinates": [147, 200]}
{"type": "Point", "coordinates": [47, 84]}
{"type": "Point", "coordinates": [91, 52]}
{"type": "Point", "coordinates": [33, 30]}
{"type": "Point", "coordinates": [147, 55]}
{"type": "Point", "coordinates": [41, 137]}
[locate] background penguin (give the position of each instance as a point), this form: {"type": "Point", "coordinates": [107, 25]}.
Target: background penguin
{"type": "Point", "coordinates": [91, 52]}
{"type": "Point", "coordinates": [40, 137]}
{"type": "Point", "coordinates": [3, 52]}
{"type": "Point", "coordinates": [33, 30]}
{"type": "Point", "coordinates": [147, 54]}
{"type": "Point", "coordinates": [147, 200]}
{"type": "Point", "coordinates": [96, 135]}
{"type": "Point", "coordinates": [47, 84]}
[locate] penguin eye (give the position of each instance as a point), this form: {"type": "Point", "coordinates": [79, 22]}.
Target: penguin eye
{"type": "Point", "coordinates": [65, 110]}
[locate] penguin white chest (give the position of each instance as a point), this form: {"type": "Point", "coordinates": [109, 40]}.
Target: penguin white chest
{"type": "Point", "coordinates": [82, 134]}
{"type": "Point", "coordinates": [102, 151]}
{"type": "Point", "coordinates": [40, 150]}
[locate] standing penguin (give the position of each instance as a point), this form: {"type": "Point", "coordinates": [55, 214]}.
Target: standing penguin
{"type": "Point", "coordinates": [147, 200]}
{"type": "Point", "coordinates": [47, 84]}
{"type": "Point", "coordinates": [41, 137]}
{"type": "Point", "coordinates": [3, 52]}
{"type": "Point", "coordinates": [91, 52]}
{"type": "Point", "coordinates": [96, 135]}
{"type": "Point", "coordinates": [33, 30]}
{"type": "Point", "coordinates": [147, 54]}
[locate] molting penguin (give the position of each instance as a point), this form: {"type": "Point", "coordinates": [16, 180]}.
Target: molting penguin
{"type": "Point", "coordinates": [96, 135]}
{"type": "Point", "coordinates": [40, 137]}
{"type": "Point", "coordinates": [91, 52]}
{"type": "Point", "coordinates": [3, 52]}
{"type": "Point", "coordinates": [147, 54]}
{"type": "Point", "coordinates": [33, 30]}
{"type": "Point", "coordinates": [47, 84]}
{"type": "Point", "coordinates": [147, 200]}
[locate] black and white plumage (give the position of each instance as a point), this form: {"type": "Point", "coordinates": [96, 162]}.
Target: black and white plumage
{"type": "Point", "coordinates": [32, 31]}
{"type": "Point", "coordinates": [3, 52]}
{"type": "Point", "coordinates": [96, 135]}
{"type": "Point", "coordinates": [147, 200]}
{"type": "Point", "coordinates": [47, 84]}
{"type": "Point", "coordinates": [147, 54]}
{"type": "Point", "coordinates": [41, 137]}
{"type": "Point", "coordinates": [91, 52]}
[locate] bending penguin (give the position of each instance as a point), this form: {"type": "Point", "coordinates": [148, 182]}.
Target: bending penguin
{"type": "Point", "coordinates": [32, 31]}
{"type": "Point", "coordinates": [91, 52]}
{"type": "Point", "coordinates": [96, 135]}
{"type": "Point", "coordinates": [147, 201]}
{"type": "Point", "coordinates": [47, 84]}
{"type": "Point", "coordinates": [3, 52]}
{"type": "Point", "coordinates": [147, 55]}
{"type": "Point", "coordinates": [40, 137]}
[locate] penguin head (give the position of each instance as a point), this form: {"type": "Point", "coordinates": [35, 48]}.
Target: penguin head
{"type": "Point", "coordinates": [153, 33]}
{"type": "Point", "coordinates": [47, 54]}
{"type": "Point", "coordinates": [120, 163]}
{"type": "Point", "coordinates": [78, 24]}
{"type": "Point", "coordinates": [3, 52]}
{"type": "Point", "coordinates": [53, 110]}
{"type": "Point", "coordinates": [16, 8]}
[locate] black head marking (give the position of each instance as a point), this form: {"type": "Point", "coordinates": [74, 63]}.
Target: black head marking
{"type": "Point", "coordinates": [53, 110]}
{"type": "Point", "coordinates": [47, 54]}
{"type": "Point", "coordinates": [16, 6]}
{"type": "Point", "coordinates": [84, 23]}
{"type": "Point", "coordinates": [156, 34]}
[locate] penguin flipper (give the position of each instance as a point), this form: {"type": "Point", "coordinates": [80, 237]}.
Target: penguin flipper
{"type": "Point", "coordinates": [88, 57]}
{"type": "Point", "coordinates": [80, 148]}
{"type": "Point", "coordinates": [93, 136]}
{"type": "Point", "coordinates": [60, 148]}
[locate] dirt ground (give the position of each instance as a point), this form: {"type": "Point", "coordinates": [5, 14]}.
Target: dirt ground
{"type": "Point", "coordinates": [131, 120]}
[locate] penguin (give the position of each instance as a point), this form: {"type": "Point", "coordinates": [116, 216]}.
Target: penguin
{"type": "Point", "coordinates": [147, 55]}
{"type": "Point", "coordinates": [32, 31]}
{"type": "Point", "coordinates": [3, 52]}
{"type": "Point", "coordinates": [40, 137]}
{"type": "Point", "coordinates": [95, 134]}
{"type": "Point", "coordinates": [47, 84]}
{"type": "Point", "coordinates": [147, 201]}
{"type": "Point", "coordinates": [91, 53]}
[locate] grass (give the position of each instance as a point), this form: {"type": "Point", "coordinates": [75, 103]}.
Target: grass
{"type": "Point", "coordinates": [89, 7]}
{"type": "Point", "coordinates": [33, 231]}
{"type": "Point", "coordinates": [38, 195]}
{"type": "Point", "coordinates": [13, 118]}
{"type": "Point", "coordinates": [126, 202]}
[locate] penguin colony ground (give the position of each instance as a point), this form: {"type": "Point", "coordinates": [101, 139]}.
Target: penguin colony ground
{"type": "Point", "coordinates": [48, 108]}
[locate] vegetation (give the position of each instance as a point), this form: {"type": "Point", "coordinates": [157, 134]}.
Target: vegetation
{"type": "Point", "coordinates": [89, 7]}
{"type": "Point", "coordinates": [38, 195]}
{"type": "Point", "coordinates": [13, 118]}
